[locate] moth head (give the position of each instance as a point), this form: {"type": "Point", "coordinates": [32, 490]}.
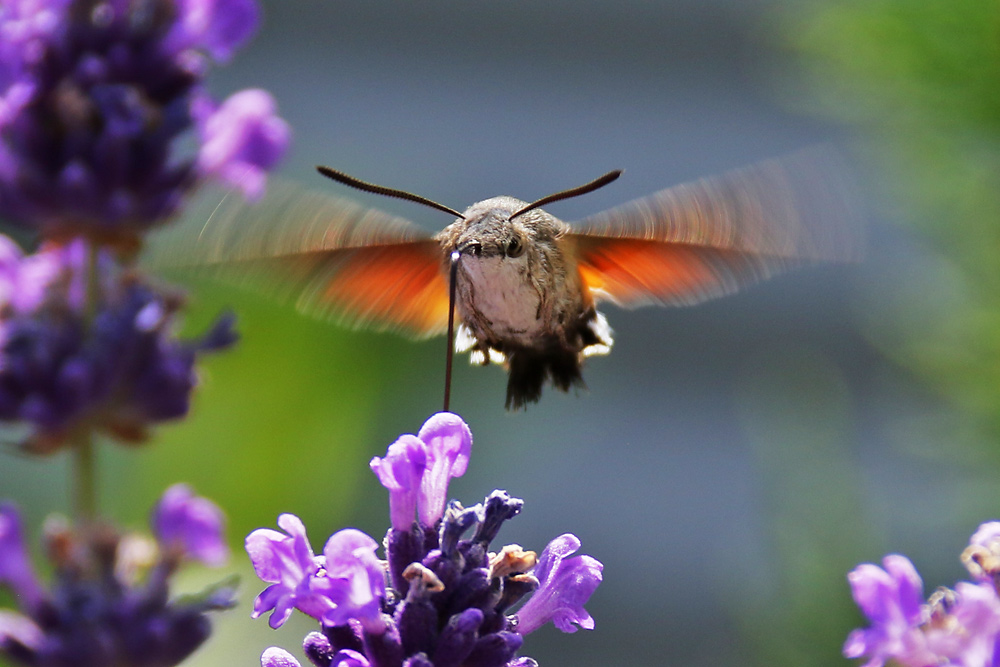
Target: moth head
{"type": "Point", "coordinates": [488, 230]}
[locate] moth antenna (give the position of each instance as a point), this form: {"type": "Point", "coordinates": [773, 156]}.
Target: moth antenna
{"type": "Point", "coordinates": [358, 184]}
{"type": "Point", "coordinates": [450, 355]}
{"type": "Point", "coordinates": [572, 192]}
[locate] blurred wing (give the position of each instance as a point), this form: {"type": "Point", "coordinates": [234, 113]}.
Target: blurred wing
{"type": "Point", "coordinates": [336, 259]}
{"type": "Point", "coordinates": [712, 237]}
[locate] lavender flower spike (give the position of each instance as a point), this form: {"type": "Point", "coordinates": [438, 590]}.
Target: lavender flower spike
{"type": "Point", "coordinates": [190, 525]}
{"type": "Point", "coordinates": [98, 101]}
{"type": "Point", "coordinates": [441, 596]}
{"type": "Point", "coordinates": [112, 365]}
{"type": "Point", "coordinates": [288, 564]}
{"type": "Point", "coordinates": [565, 585]}
{"type": "Point", "coordinates": [107, 603]}
{"type": "Point", "coordinates": [449, 441]}
{"type": "Point", "coordinates": [15, 568]}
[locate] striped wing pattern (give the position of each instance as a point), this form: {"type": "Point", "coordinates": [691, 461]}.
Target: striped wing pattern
{"type": "Point", "coordinates": [700, 240]}
{"type": "Point", "coordinates": [338, 260]}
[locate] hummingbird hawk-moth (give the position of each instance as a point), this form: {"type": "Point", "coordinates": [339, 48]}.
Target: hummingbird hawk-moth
{"type": "Point", "coordinates": [527, 284]}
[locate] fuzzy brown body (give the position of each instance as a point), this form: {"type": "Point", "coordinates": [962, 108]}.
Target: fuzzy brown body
{"type": "Point", "coordinates": [520, 296]}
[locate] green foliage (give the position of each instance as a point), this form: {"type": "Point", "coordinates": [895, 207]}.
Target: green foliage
{"type": "Point", "coordinates": [921, 79]}
{"type": "Point", "coordinates": [918, 84]}
{"type": "Point", "coordinates": [797, 410]}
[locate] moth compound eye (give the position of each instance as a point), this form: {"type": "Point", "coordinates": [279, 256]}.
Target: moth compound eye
{"type": "Point", "coordinates": [514, 248]}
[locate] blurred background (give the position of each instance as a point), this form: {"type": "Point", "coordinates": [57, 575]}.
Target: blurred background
{"type": "Point", "coordinates": [728, 463]}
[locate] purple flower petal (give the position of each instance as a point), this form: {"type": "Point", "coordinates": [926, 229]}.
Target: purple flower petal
{"type": "Point", "coordinates": [564, 586]}
{"type": "Point", "coordinates": [287, 562]}
{"type": "Point", "coordinates": [354, 579]}
{"type": "Point", "coordinates": [266, 549]}
{"type": "Point", "coordinates": [895, 593]}
{"type": "Point", "coordinates": [449, 442]}
{"type": "Point", "coordinates": [401, 472]}
{"type": "Point", "coordinates": [191, 525]}
{"type": "Point", "coordinates": [242, 139]}
{"type": "Point", "coordinates": [276, 599]}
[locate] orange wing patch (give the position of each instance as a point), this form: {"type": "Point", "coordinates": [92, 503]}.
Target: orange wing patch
{"type": "Point", "coordinates": [398, 287]}
{"type": "Point", "coordinates": [635, 272]}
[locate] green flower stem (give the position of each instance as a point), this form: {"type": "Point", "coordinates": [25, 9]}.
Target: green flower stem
{"type": "Point", "coordinates": [84, 477]}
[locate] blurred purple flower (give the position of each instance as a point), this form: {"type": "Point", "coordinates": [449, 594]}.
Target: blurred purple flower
{"type": "Point", "coordinates": [25, 25]}
{"type": "Point", "coordinates": [565, 585]}
{"type": "Point", "coordinates": [287, 562]}
{"type": "Point", "coordinates": [190, 526]}
{"type": "Point", "coordinates": [440, 598]}
{"type": "Point", "coordinates": [241, 140]}
{"type": "Point", "coordinates": [104, 607]}
{"type": "Point", "coordinates": [963, 627]}
{"type": "Point", "coordinates": [953, 627]}
{"type": "Point", "coordinates": [95, 97]}
{"type": "Point", "coordinates": [16, 572]}
{"type": "Point", "coordinates": [892, 599]}
{"type": "Point", "coordinates": [115, 365]}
